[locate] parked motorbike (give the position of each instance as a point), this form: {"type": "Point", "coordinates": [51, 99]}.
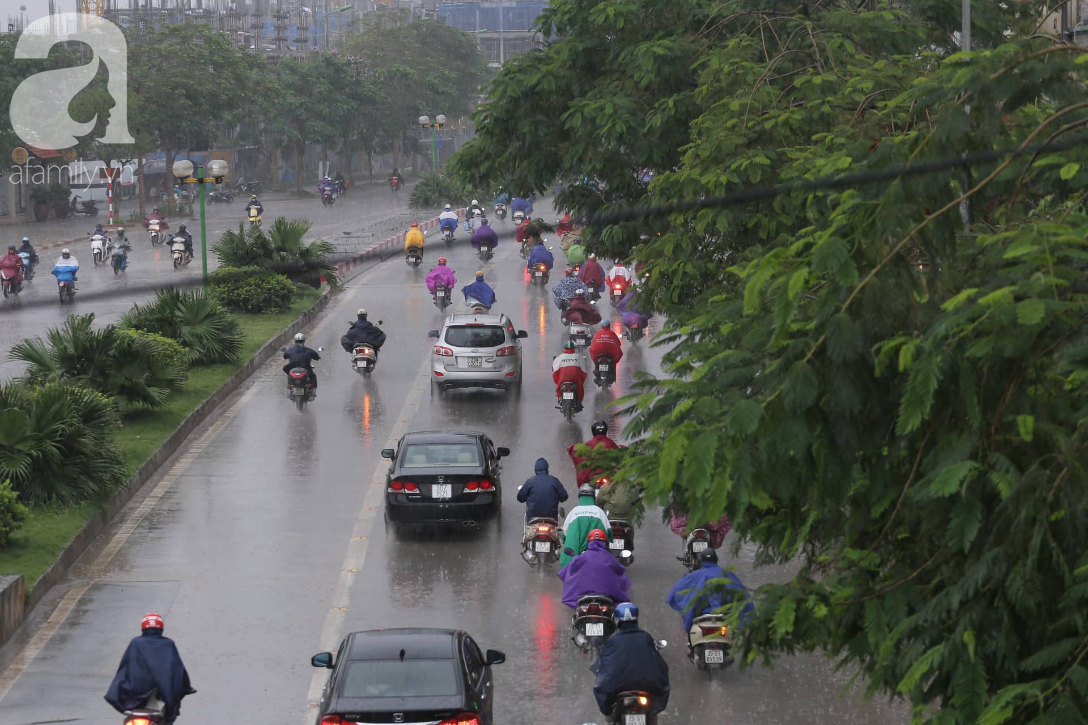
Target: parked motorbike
{"type": "Point", "coordinates": [698, 540]}
{"type": "Point", "coordinates": [604, 371]}
{"type": "Point", "coordinates": [298, 382]}
{"type": "Point", "coordinates": [568, 400]}
{"type": "Point", "coordinates": [394, 184]}
{"type": "Point", "coordinates": [622, 545]}
{"type": "Point", "coordinates": [90, 208]}
{"type": "Point", "coordinates": [364, 358]}
{"type": "Point", "coordinates": [414, 256]}
{"type": "Point", "coordinates": [119, 258]}
{"type": "Point", "coordinates": [485, 254]}
{"type": "Point", "coordinates": [221, 195]}
{"type": "Point", "coordinates": [254, 217]}
{"type": "Point", "coordinates": [634, 334]}
{"type": "Point", "coordinates": [327, 197]}
{"type": "Point", "coordinates": [539, 274]}
{"type": "Point", "coordinates": [442, 297]}
{"type": "Point", "coordinates": [98, 248]}
{"type": "Point", "coordinates": [179, 252]}
{"type": "Point", "coordinates": [154, 230]}
{"type": "Point", "coordinates": [710, 642]}
{"type": "Point", "coordinates": [500, 211]}
{"type": "Point", "coordinates": [542, 545]}
{"type": "Point", "coordinates": [592, 622]}
{"type": "Point", "coordinates": [247, 187]}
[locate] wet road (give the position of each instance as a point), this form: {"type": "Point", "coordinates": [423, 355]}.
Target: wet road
{"type": "Point", "coordinates": [265, 544]}
{"type": "Point", "coordinates": [369, 214]}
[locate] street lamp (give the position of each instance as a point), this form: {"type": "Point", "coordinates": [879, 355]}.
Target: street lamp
{"type": "Point", "coordinates": [439, 122]}
{"type": "Point", "coordinates": [217, 169]}
{"type": "Point", "coordinates": [328, 15]}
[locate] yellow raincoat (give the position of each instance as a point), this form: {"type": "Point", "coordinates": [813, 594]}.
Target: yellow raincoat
{"type": "Point", "coordinates": [413, 238]}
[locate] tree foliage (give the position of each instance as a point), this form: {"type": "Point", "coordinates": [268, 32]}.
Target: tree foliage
{"type": "Point", "coordinates": [281, 248]}
{"type": "Point", "coordinates": [889, 398]}
{"type": "Point", "coordinates": [193, 318]}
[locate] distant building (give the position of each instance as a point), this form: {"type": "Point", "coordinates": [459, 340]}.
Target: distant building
{"type": "Point", "coordinates": [502, 29]}
{"type": "Point", "coordinates": [1069, 20]}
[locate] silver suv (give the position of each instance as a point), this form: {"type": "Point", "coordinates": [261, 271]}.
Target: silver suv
{"type": "Point", "coordinates": [476, 351]}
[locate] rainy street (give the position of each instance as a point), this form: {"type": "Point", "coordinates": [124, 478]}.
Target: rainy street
{"type": "Point", "coordinates": [264, 542]}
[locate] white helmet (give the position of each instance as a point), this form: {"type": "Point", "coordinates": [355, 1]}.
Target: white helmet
{"type": "Point", "coordinates": [475, 202]}
{"type": "Point", "coordinates": [65, 251]}
{"type": "Point", "coordinates": [448, 207]}
{"type": "Point", "coordinates": [300, 338]}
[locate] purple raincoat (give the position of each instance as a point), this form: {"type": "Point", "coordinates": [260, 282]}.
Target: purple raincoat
{"type": "Point", "coordinates": [594, 571]}
{"type": "Point", "coordinates": [441, 275]}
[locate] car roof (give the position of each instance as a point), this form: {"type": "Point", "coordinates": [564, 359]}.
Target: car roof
{"type": "Point", "coordinates": [417, 643]}
{"type": "Point", "coordinates": [441, 436]}
{"type": "Point", "coordinates": [465, 319]}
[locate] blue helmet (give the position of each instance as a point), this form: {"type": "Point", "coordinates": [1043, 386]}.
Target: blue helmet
{"type": "Point", "coordinates": [626, 612]}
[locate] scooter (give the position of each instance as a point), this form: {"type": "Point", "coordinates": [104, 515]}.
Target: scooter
{"type": "Point", "coordinates": [634, 334]}
{"type": "Point", "coordinates": [221, 195]}
{"type": "Point", "coordinates": [154, 230]}
{"type": "Point", "coordinates": [90, 208]}
{"type": "Point", "coordinates": [526, 248]}
{"type": "Point", "coordinates": [604, 371]}
{"type": "Point", "coordinates": [616, 293]}
{"type": "Point", "coordinates": [698, 540]}
{"type": "Point", "coordinates": [442, 297]}
{"type": "Point", "coordinates": [364, 358]}
{"type": "Point", "coordinates": [592, 622]}
{"type": "Point", "coordinates": [119, 258]}
{"type": "Point", "coordinates": [9, 285]}
{"type": "Point", "coordinates": [447, 234]}
{"type": "Point", "coordinates": [98, 248]}
{"type": "Point", "coordinates": [485, 253]}
{"type": "Point", "coordinates": [394, 184]}
{"type": "Point", "coordinates": [710, 642]}
{"type": "Point", "coordinates": [500, 211]}
{"type": "Point", "coordinates": [248, 187]}
{"type": "Point", "coordinates": [568, 402]}
{"type": "Point", "coordinates": [180, 252]}
{"type": "Point", "coordinates": [634, 708]}
{"type": "Point", "coordinates": [592, 295]}
{"type": "Point", "coordinates": [542, 544]}
{"type": "Point", "coordinates": [580, 333]}
{"type": "Point", "coordinates": [518, 218]}
{"type": "Point", "coordinates": [28, 266]}
{"type": "Point", "coordinates": [144, 716]}
{"type": "Point", "coordinates": [622, 545]}
{"type": "Point", "coordinates": [413, 256]}
{"type": "Point", "coordinates": [540, 274]}
{"type": "Point", "coordinates": [66, 283]}
{"type": "Point", "coordinates": [299, 386]}
{"type": "Point", "coordinates": [327, 197]}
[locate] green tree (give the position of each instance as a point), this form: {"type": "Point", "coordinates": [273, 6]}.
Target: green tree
{"type": "Point", "coordinates": [193, 318]}
{"type": "Point", "coordinates": [282, 248]}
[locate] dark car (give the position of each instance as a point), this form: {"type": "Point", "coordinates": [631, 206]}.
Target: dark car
{"type": "Point", "coordinates": [433, 676]}
{"type": "Point", "coordinates": [441, 477]}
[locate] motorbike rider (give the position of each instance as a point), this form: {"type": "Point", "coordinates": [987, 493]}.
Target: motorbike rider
{"type": "Point", "coordinates": [396, 175]}
{"type": "Point", "coordinates": [629, 660]}
{"type": "Point", "coordinates": [582, 519]}
{"type": "Point", "coordinates": [502, 197]}
{"type": "Point", "coordinates": [340, 183]}
{"type": "Point", "coordinates": [629, 307]}
{"type": "Point", "coordinates": [484, 233]}
{"type": "Point", "coordinates": [678, 524]}
{"type": "Point", "coordinates": [576, 255]}
{"type": "Point", "coordinates": [600, 439]}
{"type": "Point", "coordinates": [326, 185]}
{"type": "Point", "coordinates": [606, 342]}
{"type": "Point", "coordinates": [567, 368]}
{"type": "Point", "coordinates": [254, 203]}
{"type": "Point", "coordinates": [564, 225]}
{"type": "Point", "coordinates": [414, 238]}
{"type": "Point", "coordinates": [441, 275]}
{"type": "Point", "coordinates": [154, 216]}
{"type": "Point", "coordinates": [580, 311]}
{"type": "Point", "coordinates": [595, 571]}
{"type": "Point", "coordinates": [448, 219]}
{"type": "Point", "coordinates": [532, 231]}
{"type": "Point", "coordinates": [300, 356]}
{"type": "Point", "coordinates": [66, 264]}
{"type": "Point", "coordinates": [688, 597]}
{"type": "Point", "coordinates": [151, 673]}
{"type": "Point", "coordinates": [542, 493]}
{"type": "Point", "coordinates": [12, 265]}
{"type": "Point", "coordinates": [619, 276]}
{"type": "Point", "coordinates": [479, 293]}
{"type": "Point", "coordinates": [618, 498]}
{"type": "Point", "coordinates": [474, 210]}
{"type": "Point", "coordinates": [362, 332]}
{"type": "Point", "coordinates": [565, 289]}
{"type": "Point", "coordinates": [28, 249]}
{"type": "Point", "coordinates": [522, 204]}
{"type": "Point", "coordinates": [540, 255]}
{"type": "Point", "coordinates": [592, 273]}
{"type": "Point", "coordinates": [184, 233]}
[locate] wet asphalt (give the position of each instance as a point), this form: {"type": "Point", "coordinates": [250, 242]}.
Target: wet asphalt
{"type": "Point", "coordinates": [264, 545]}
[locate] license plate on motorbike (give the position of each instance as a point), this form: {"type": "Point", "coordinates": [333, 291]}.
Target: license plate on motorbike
{"type": "Point", "coordinates": [581, 342]}
{"type": "Point", "coordinates": [699, 546]}
{"type": "Point", "coordinates": [714, 656]}
{"type": "Point", "coordinates": [617, 544]}
{"type": "Point", "coordinates": [634, 719]}
{"type": "Point", "coordinates": [568, 396]}
{"type": "Point", "coordinates": [441, 490]}
{"type": "Point", "coordinates": [595, 629]}
{"type": "Point", "coordinates": [542, 547]}
{"type": "Point", "coordinates": [538, 274]}
{"type": "Point", "coordinates": [606, 367]}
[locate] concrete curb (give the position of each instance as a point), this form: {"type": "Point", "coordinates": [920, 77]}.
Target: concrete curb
{"type": "Point", "coordinates": [11, 618]}
{"type": "Point", "coordinates": [385, 247]}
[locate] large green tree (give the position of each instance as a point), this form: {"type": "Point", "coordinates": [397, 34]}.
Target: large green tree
{"type": "Point", "coordinates": [889, 398]}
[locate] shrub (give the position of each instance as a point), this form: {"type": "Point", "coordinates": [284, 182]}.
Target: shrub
{"type": "Point", "coordinates": [433, 190]}
{"type": "Point", "coordinates": [281, 247]}
{"type": "Point", "coordinates": [138, 370]}
{"type": "Point", "coordinates": [251, 289]}
{"type": "Point", "coordinates": [195, 319]}
{"type": "Point", "coordinates": [56, 443]}
{"type": "Point", "coordinates": [12, 512]}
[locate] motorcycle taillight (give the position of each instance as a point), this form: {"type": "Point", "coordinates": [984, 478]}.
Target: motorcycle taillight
{"type": "Point", "coordinates": [707, 631]}
{"type": "Point", "coordinates": [593, 609]}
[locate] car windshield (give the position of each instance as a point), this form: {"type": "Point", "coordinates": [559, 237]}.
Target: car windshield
{"type": "Point", "coordinates": [482, 336]}
{"type": "Point", "coordinates": [431, 455]}
{"type": "Point", "coordinates": [394, 678]}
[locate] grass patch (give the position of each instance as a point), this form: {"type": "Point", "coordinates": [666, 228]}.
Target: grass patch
{"type": "Point", "coordinates": [48, 528]}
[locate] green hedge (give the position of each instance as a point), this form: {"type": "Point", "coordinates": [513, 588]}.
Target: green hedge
{"type": "Point", "coordinates": [12, 513]}
{"type": "Point", "coordinates": [251, 289]}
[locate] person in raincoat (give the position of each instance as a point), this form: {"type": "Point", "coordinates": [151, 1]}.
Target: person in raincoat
{"type": "Point", "coordinates": [565, 289]}
{"type": "Point", "coordinates": [580, 311]}
{"type": "Point", "coordinates": [629, 309]}
{"type": "Point", "coordinates": [592, 274]}
{"type": "Point", "coordinates": [479, 292]}
{"type": "Point", "coordinates": [542, 493]}
{"type": "Point", "coordinates": [595, 571]}
{"type": "Point", "coordinates": [692, 596]}
{"type": "Point", "coordinates": [484, 233]}
{"type": "Point", "coordinates": [441, 275]}
{"type": "Point", "coordinates": [150, 670]}
{"type": "Point", "coordinates": [414, 238]}
{"type": "Point", "coordinates": [618, 499]}
{"type": "Point", "coordinates": [540, 255]}
{"type": "Point", "coordinates": [522, 204]}
{"type": "Point", "coordinates": [678, 524]}
{"type": "Point", "coordinates": [576, 254]}
{"type": "Point", "coordinates": [629, 660]}
{"type": "Point", "coordinates": [582, 519]}
{"type": "Point", "coordinates": [600, 439]}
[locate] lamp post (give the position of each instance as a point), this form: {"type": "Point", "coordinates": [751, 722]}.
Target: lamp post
{"type": "Point", "coordinates": [328, 15]}
{"type": "Point", "coordinates": [217, 169]}
{"type": "Point", "coordinates": [439, 122]}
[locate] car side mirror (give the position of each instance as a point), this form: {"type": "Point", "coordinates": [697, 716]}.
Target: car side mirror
{"type": "Point", "coordinates": [432, 333]}
{"type": "Point", "coordinates": [503, 452]}
{"type": "Point", "coordinates": [388, 453]}
{"type": "Point", "coordinates": [323, 659]}
{"type": "Point", "coordinates": [522, 334]}
{"type": "Point", "coordinates": [494, 657]}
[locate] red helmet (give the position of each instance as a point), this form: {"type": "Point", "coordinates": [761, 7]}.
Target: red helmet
{"type": "Point", "coordinates": [568, 271]}
{"type": "Point", "coordinates": [151, 621]}
{"type": "Point", "coordinates": [415, 224]}
{"type": "Point", "coordinates": [441, 260]}
{"type": "Point", "coordinates": [597, 535]}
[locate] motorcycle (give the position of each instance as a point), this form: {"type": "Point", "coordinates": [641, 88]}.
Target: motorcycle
{"type": "Point", "coordinates": [254, 217]}
{"type": "Point", "coordinates": [221, 195]}
{"type": "Point", "coordinates": [592, 622]}
{"type": "Point", "coordinates": [622, 545]}
{"type": "Point", "coordinates": [90, 208]}
{"type": "Point", "coordinates": [341, 187]}
{"type": "Point", "coordinates": [144, 716]}
{"type": "Point", "coordinates": [298, 382]}
{"type": "Point", "coordinates": [179, 252]}
{"type": "Point", "coordinates": [154, 230]}
{"type": "Point", "coordinates": [698, 540]}
{"type": "Point", "coordinates": [568, 400]}
{"type": "Point", "coordinates": [519, 217]}
{"type": "Point", "coordinates": [542, 545]}
{"type": "Point", "coordinates": [616, 293]}
{"type": "Point", "coordinates": [394, 184]}
{"type": "Point", "coordinates": [442, 297]}
{"type": "Point", "coordinates": [540, 274]}
{"type": "Point", "coordinates": [247, 187]}
{"type": "Point", "coordinates": [593, 295]}
{"type": "Point", "coordinates": [28, 274]}
{"type": "Point", "coordinates": [327, 197]}
{"type": "Point", "coordinates": [526, 248]}
{"type": "Point", "coordinates": [485, 253]}
{"type": "Point", "coordinates": [9, 285]}
{"type": "Point", "coordinates": [500, 211]}
{"type": "Point", "coordinates": [119, 258]}
{"type": "Point", "coordinates": [634, 708]}
{"type": "Point", "coordinates": [580, 333]}
{"type": "Point", "coordinates": [413, 256]}
{"type": "Point", "coordinates": [710, 642]}
{"type": "Point", "coordinates": [604, 371]}
{"type": "Point", "coordinates": [364, 358]}
{"type": "Point", "coordinates": [447, 234]}
{"type": "Point", "coordinates": [98, 248]}
{"type": "Point", "coordinates": [66, 284]}
{"type": "Point", "coordinates": [634, 334]}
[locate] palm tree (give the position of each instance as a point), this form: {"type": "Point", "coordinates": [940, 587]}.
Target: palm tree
{"type": "Point", "coordinates": [281, 247]}
{"type": "Point", "coordinates": [195, 319]}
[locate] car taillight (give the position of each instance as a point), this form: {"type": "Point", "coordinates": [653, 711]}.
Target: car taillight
{"type": "Point", "coordinates": [331, 720]}
{"type": "Point", "coordinates": [472, 486]}
{"type": "Point", "coordinates": [410, 487]}
{"type": "Point", "coordinates": [486, 485]}
{"type": "Point", "coordinates": [714, 630]}
{"type": "Point", "coordinates": [396, 486]}
{"type": "Point", "coordinates": [443, 351]}
{"type": "Point", "coordinates": [465, 718]}
{"type": "Point", "coordinates": [506, 351]}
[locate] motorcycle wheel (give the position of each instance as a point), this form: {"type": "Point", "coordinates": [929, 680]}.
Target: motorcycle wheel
{"type": "Point", "coordinates": [177, 262]}
{"type": "Point", "coordinates": [7, 287]}
{"type": "Point", "coordinates": [568, 410]}
{"type": "Point", "coordinates": [116, 270]}
{"type": "Point", "coordinates": [94, 211]}
{"type": "Point", "coordinates": [300, 403]}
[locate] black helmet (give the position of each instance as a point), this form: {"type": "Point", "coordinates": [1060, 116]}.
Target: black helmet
{"type": "Point", "coordinates": [708, 555]}
{"type": "Point", "coordinates": [599, 427]}
{"type": "Point", "coordinates": [587, 489]}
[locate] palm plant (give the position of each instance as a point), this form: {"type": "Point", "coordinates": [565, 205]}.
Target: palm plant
{"type": "Point", "coordinates": [134, 369]}
{"type": "Point", "coordinates": [433, 190]}
{"type": "Point", "coordinates": [281, 248]}
{"type": "Point", "coordinates": [56, 443]}
{"type": "Point", "coordinates": [195, 319]}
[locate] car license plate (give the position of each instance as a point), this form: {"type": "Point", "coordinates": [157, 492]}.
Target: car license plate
{"type": "Point", "coordinates": [714, 656]}
{"type": "Point", "coordinates": [617, 544]}
{"type": "Point", "coordinates": [542, 546]}
{"type": "Point", "coordinates": [595, 629]}
{"type": "Point", "coordinates": [538, 274]}
{"type": "Point", "coordinates": [568, 396]}
{"type": "Point", "coordinates": [606, 367]}
{"type": "Point", "coordinates": [699, 546]}
{"type": "Point", "coordinates": [475, 362]}
{"type": "Point", "coordinates": [634, 719]}
{"type": "Point", "coordinates": [441, 490]}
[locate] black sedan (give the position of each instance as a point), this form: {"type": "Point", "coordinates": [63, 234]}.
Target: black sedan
{"type": "Point", "coordinates": [440, 477]}
{"type": "Point", "coordinates": [408, 676]}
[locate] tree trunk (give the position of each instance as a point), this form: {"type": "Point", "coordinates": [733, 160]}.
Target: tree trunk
{"type": "Point", "coordinates": [349, 154]}
{"type": "Point", "coordinates": [370, 162]}
{"type": "Point", "coordinates": [141, 190]}
{"type": "Point", "coordinates": [298, 168]}
{"type": "Point", "coordinates": [396, 152]}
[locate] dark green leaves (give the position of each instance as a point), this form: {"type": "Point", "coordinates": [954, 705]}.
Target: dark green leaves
{"type": "Point", "coordinates": [800, 388]}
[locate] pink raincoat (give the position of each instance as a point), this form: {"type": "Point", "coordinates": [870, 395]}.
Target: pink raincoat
{"type": "Point", "coordinates": [441, 275]}
{"type": "Point", "coordinates": [679, 524]}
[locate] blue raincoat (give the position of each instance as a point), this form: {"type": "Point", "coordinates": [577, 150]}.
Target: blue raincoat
{"type": "Point", "coordinates": [541, 255]}
{"type": "Point", "coordinates": [689, 592]}
{"type": "Point", "coordinates": [565, 289]}
{"type": "Point", "coordinates": [151, 662]}
{"type": "Point", "coordinates": [594, 571]}
{"type": "Point", "coordinates": [521, 204]}
{"type": "Point", "coordinates": [542, 493]}
{"type": "Point", "coordinates": [479, 290]}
